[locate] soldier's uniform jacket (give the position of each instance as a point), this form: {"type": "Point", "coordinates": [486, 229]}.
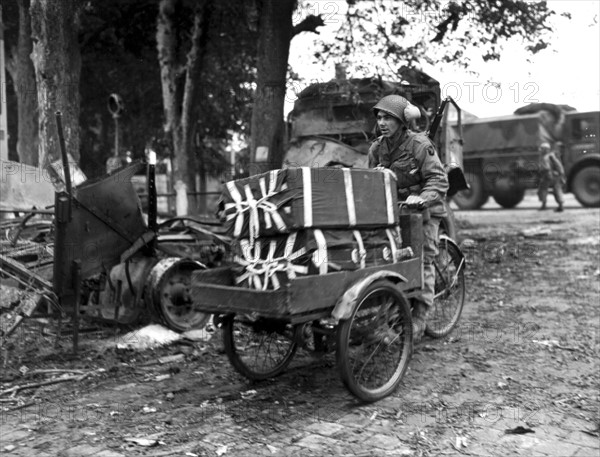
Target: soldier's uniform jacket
{"type": "Point", "coordinates": [419, 171]}
{"type": "Point", "coordinates": [551, 168]}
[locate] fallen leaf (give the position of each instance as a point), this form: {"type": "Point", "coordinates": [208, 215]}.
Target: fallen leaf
{"type": "Point", "coordinates": [461, 441]}
{"type": "Point", "coordinates": [142, 441]}
{"type": "Point", "coordinates": [248, 394]}
{"type": "Point", "coordinates": [222, 450]}
{"type": "Point", "coordinates": [273, 449]}
{"type": "Point", "coordinates": [198, 335]}
{"type": "Point", "coordinates": [171, 358]}
{"type": "Point", "coordinates": [518, 430]}
{"type": "Point", "coordinates": [536, 231]}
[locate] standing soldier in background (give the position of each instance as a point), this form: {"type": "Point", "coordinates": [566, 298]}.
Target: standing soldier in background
{"type": "Point", "coordinates": [552, 174]}
{"type": "Point", "coordinates": [421, 181]}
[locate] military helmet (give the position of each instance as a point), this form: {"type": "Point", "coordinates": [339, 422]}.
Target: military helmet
{"type": "Point", "coordinates": [399, 107]}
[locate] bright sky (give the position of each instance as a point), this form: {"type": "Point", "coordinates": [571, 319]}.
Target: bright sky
{"type": "Point", "coordinates": [566, 73]}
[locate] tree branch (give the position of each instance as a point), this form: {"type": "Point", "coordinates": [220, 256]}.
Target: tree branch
{"type": "Point", "coordinates": [454, 17]}
{"type": "Point", "coordinates": [309, 24]}
{"type": "Point", "coordinates": [166, 43]}
{"type": "Point", "coordinates": [195, 56]}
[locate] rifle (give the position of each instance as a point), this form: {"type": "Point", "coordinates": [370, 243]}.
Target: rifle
{"type": "Point", "coordinates": [437, 119]}
{"type": "Point", "coordinates": [456, 177]}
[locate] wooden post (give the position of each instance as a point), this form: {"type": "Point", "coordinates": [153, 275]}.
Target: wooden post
{"type": "Point", "coordinates": [77, 288]}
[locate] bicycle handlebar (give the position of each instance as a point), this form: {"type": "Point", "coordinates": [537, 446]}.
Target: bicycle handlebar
{"type": "Point", "coordinates": [416, 206]}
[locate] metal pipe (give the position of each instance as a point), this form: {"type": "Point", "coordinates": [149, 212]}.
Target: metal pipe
{"type": "Point", "coordinates": [152, 203]}
{"type": "Point", "coordinates": [65, 161]}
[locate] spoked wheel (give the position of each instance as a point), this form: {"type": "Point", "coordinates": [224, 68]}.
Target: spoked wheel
{"type": "Point", "coordinates": [449, 296]}
{"type": "Point", "coordinates": [375, 345]}
{"type": "Point", "coordinates": [257, 347]}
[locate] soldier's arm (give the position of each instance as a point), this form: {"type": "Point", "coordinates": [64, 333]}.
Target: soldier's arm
{"type": "Point", "coordinates": [558, 165]}
{"type": "Point", "coordinates": [435, 180]}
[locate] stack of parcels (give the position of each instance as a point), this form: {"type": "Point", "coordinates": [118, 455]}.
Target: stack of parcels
{"type": "Point", "coordinates": [301, 221]}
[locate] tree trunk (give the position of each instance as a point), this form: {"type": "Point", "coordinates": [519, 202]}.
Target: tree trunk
{"type": "Point", "coordinates": [57, 62]}
{"type": "Point", "coordinates": [22, 73]}
{"type": "Point", "coordinates": [267, 126]}
{"type": "Point", "coordinates": [179, 89]}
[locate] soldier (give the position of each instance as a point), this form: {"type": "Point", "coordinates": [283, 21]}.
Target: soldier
{"type": "Point", "coordinates": [552, 174]}
{"type": "Point", "coordinates": [421, 180]}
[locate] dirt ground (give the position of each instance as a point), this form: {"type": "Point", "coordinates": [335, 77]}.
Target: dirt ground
{"type": "Point", "coordinates": [519, 376]}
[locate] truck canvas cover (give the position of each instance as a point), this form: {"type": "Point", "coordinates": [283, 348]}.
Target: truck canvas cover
{"type": "Point", "coordinates": [343, 106]}
{"type": "Point", "coordinates": [524, 132]}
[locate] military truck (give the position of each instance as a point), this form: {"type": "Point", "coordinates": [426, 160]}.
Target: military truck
{"type": "Point", "coordinates": [332, 123]}
{"type": "Point", "coordinates": [501, 154]}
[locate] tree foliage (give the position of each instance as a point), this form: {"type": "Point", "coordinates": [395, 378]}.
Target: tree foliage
{"type": "Point", "coordinates": [119, 50]}
{"type": "Point", "coordinates": [119, 55]}
{"type": "Point", "coordinates": [430, 31]}
{"type": "Point", "coordinates": [118, 47]}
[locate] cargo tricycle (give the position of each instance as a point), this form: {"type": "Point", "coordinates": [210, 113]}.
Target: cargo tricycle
{"type": "Point", "coordinates": [364, 315]}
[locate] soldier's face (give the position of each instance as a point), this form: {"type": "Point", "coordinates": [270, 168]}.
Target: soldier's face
{"type": "Point", "coordinates": [387, 124]}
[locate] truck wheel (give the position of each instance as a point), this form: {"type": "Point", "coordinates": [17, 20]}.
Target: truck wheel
{"type": "Point", "coordinates": [507, 194]}
{"type": "Point", "coordinates": [510, 199]}
{"type": "Point", "coordinates": [586, 186]}
{"type": "Point", "coordinates": [473, 198]}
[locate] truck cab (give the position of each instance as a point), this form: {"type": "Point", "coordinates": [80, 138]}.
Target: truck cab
{"type": "Point", "coordinates": [501, 154]}
{"type": "Point", "coordinates": [580, 153]}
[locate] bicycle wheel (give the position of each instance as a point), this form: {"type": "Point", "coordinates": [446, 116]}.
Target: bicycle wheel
{"type": "Point", "coordinates": [375, 344]}
{"type": "Point", "coordinates": [259, 348]}
{"type": "Point", "coordinates": [449, 296]}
